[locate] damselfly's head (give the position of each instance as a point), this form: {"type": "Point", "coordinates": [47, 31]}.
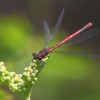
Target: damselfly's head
{"type": "Point", "coordinates": [35, 55]}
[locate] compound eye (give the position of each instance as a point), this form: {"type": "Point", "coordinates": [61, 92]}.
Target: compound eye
{"type": "Point", "coordinates": [34, 54]}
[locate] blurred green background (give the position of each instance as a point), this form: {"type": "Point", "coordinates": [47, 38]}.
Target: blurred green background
{"type": "Point", "coordinates": [66, 77]}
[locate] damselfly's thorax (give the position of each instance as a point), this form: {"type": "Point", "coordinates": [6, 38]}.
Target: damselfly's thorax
{"type": "Point", "coordinates": [42, 54]}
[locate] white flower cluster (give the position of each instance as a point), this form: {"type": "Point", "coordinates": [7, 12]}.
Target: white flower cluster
{"type": "Point", "coordinates": [22, 83]}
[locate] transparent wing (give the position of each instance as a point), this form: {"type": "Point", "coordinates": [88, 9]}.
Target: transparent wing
{"type": "Point", "coordinates": [57, 26]}
{"type": "Point", "coordinates": [47, 34]}
{"type": "Point", "coordinates": [83, 36]}
{"type": "Point", "coordinates": [79, 54]}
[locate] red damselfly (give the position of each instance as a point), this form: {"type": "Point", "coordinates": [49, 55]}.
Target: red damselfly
{"type": "Point", "coordinates": [80, 35]}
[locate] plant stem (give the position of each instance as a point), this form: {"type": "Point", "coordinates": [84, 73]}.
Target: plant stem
{"type": "Point", "coordinates": [28, 96]}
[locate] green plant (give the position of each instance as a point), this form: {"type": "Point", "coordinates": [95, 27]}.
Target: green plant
{"type": "Point", "coordinates": [22, 83]}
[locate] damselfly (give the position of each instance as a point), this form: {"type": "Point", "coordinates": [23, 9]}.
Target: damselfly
{"type": "Point", "coordinates": [80, 35]}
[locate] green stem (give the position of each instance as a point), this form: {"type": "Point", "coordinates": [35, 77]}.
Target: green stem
{"type": "Point", "coordinates": [28, 96]}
